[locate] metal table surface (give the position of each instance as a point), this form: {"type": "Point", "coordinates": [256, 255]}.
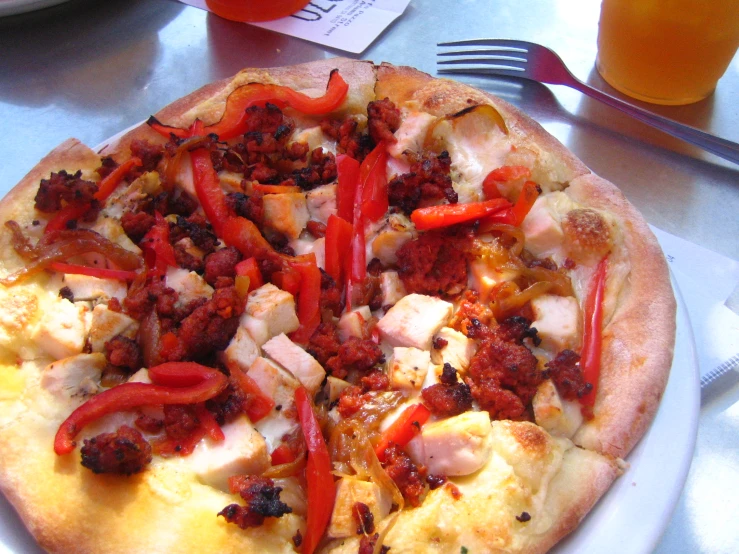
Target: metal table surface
{"type": "Point", "coordinates": [89, 69]}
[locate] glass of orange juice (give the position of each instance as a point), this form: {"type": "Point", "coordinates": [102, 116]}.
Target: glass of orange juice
{"type": "Point", "coordinates": [255, 10]}
{"type": "Point", "coordinates": [666, 51]}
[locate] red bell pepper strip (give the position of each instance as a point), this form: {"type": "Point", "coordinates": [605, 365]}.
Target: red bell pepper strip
{"type": "Point", "coordinates": [309, 298]}
{"type": "Point", "coordinates": [373, 180]}
{"type": "Point", "coordinates": [242, 234]}
{"type": "Point", "coordinates": [233, 121]}
{"type": "Point", "coordinates": [99, 272]}
{"type": "Point", "coordinates": [158, 252]}
{"type": "Point", "coordinates": [173, 383]}
{"type": "Point", "coordinates": [403, 429]}
{"type": "Point", "coordinates": [347, 169]}
{"type": "Point", "coordinates": [503, 175]}
{"type": "Point", "coordinates": [592, 340]}
{"type": "Point", "coordinates": [516, 213]}
{"type": "Point", "coordinates": [208, 189]}
{"type": "Point", "coordinates": [445, 215]}
{"type": "Point", "coordinates": [106, 186]}
{"type": "Point", "coordinates": [250, 269]}
{"type": "Point", "coordinates": [321, 487]}
{"type": "Point", "coordinates": [288, 279]}
{"type": "Point", "coordinates": [337, 246]}
{"type": "Point", "coordinates": [257, 405]}
{"type": "Point", "coordinates": [283, 454]}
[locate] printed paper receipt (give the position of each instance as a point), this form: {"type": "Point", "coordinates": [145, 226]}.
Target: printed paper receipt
{"type": "Point", "coordinates": [349, 25]}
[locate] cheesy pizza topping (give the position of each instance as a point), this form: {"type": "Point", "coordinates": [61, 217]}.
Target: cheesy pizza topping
{"type": "Point", "coordinates": [397, 299]}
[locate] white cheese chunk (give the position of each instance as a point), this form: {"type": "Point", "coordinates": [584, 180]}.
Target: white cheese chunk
{"type": "Point", "coordinates": [286, 212]}
{"type": "Point", "coordinates": [349, 491]}
{"type": "Point", "coordinates": [352, 324]}
{"type": "Point", "coordinates": [321, 202]}
{"type": "Point", "coordinates": [458, 350]}
{"type": "Point", "coordinates": [241, 352]}
{"type": "Point", "coordinates": [392, 288]}
{"type": "Point", "coordinates": [188, 285]}
{"type": "Point", "coordinates": [414, 320]}
{"type": "Point", "coordinates": [296, 360]}
{"type": "Point", "coordinates": [557, 320]}
{"type": "Point", "coordinates": [242, 452]}
{"type": "Point", "coordinates": [269, 312]}
{"type": "Point", "coordinates": [106, 324]}
{"type": "Point", "coordinates": [561, 418]}
{"type": "Point", "coordinates": [459, 445]}
{"type": "Point", "coordinates": [317, 247]}
{"type": "Point", "coordinates": [62, 330]}
{"type": "Point", "coordinates": [274, 427]}
{"type": "Point", "coordinates": [73, 380]}
{"type": "Point", "coordinates": [407, 368]}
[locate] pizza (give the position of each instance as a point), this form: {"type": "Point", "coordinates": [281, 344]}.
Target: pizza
{"type": "Point", "coordinates": [332, 307]}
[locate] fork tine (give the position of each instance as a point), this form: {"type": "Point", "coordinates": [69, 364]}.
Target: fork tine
{"type": "Point", "coordinates": [482, 71]}
{"type": "Point", "coordinates": [494, 61]}
{"type": "Point", "coordinates": [502, 54]}
{"type": "Point", "coordinates": [500, 43]}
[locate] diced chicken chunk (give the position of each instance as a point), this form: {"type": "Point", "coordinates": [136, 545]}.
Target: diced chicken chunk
{"type": "Point", "coordinates": [188, 285]}
{"type": "Point", "coordinates": [335, 386]}
{"type": "Point", "coordinates": [62, 330]}
{"type": "Point", "coordinates": [321, 202]}
{"type": "Point", "coordinates": [458, 350]}
{"type": "Point", "coordinates": [542, 229]}
{"type": "Point", "coordinates": [557, 320]}
{"type": "Point", "coordinates": [407, 368]}
{"type": "Point", "coordinates": [274, 381]}
{"type": "Point", "coordinates": [484, 277]}
{"type": "Point", "coordinates": [352, 324]}
{"type": "Point", "coordinates": [561, 418]}
{"type": "Point", "coordinates": [411, 133]}
{"type": "Point", "coordinates": [392, 288]}
{"type": "Point", "coordinates": [314, 137]}
{"type": "Point", "coordinates": [241, 352]}
{"type": "Point", "coordinates": [112, 230]}
{"type": "Point", "coordinates": [349, 491]}
{"type": "Point", "coordinates": [106, 324]}
{"type": "Point", "coordinates": [286, 212]}
{"type": "Point", "coordinates": [414, 320]}
{"type": "Point", "coordinates": [269, 312]}
{"type": "Point", "coordinates": [73, 380]}
{"type": "Point", "coordinates": [386, 244]}
{"type": "Point", "coordinates": [85, 287]}
{"type": "Point", "coordinates": [317, 247]}
{"type": "Point", "coordinates": [296, 360]}
{"type": "Point", "coordinates": [459, 445]}
{"type": "Point", "coordinates": [242, 452]}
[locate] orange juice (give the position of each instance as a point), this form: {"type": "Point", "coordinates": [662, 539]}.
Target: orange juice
{"type": "Point", "coordinates": [667, 51]}
{"type": "Point", "coordinates": [255, 10]}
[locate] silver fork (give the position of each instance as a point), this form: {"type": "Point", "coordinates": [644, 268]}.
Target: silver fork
{"type": "Point", "coordinates": [518, 58]}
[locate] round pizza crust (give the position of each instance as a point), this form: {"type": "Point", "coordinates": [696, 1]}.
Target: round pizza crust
{"type": "Point", "coordinates": [69, 509]}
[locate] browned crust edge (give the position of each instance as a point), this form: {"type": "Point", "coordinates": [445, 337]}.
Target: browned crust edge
{"type": "Point", "coordinates": [639, 339]}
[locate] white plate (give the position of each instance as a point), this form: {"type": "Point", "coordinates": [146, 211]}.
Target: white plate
{"type": "Point", "coordinates": [634, 513]}
{"type": "Point", "coordinates": [12, 7]}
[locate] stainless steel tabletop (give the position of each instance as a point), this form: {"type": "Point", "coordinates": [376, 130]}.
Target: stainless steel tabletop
{"type": "Point", "coordinates": [89, 69]}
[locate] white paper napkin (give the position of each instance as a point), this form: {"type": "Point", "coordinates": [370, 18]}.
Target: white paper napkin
{"type": "Point", "coordinates": [706, 280]}
{"type": "Point", "coordinates": [348, 25]}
